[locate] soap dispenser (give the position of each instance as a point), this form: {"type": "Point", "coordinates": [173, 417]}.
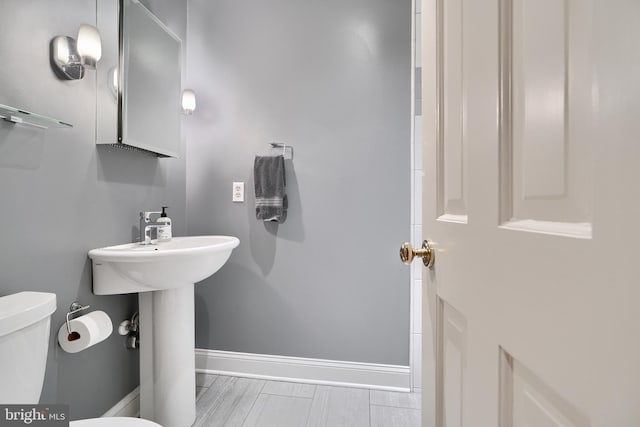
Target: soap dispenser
{"type": "Point", "coordinates": [164, 227]}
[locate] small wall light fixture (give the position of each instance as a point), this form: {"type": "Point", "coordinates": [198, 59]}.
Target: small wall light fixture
{"type": "Point", "coordinates": [112, 81]}
{"type": "Point", "coordinates": [70, 58]}
{"type": "Point", "coordinates": [188, 102]}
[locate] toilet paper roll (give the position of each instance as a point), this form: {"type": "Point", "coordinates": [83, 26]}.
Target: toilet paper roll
{"type": "Point", "coordinates": [86, 330]}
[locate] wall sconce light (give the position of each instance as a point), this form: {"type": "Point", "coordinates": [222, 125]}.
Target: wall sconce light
{"type": "Point", "coordinates": [188, 102]}
{"type": "Point", "coordinates": [70, 58]}
{"type": "Point", "coordinates": [112, 81]}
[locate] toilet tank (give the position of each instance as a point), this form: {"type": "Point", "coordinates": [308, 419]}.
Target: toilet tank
{"type": "Point", "coordinates": [25, 320]}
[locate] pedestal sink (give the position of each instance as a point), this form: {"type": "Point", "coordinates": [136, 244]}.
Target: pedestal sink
{"type": "Point", "coordinates": [163, 275]}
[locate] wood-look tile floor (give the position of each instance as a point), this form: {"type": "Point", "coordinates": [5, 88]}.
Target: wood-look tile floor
{"type": "Point", "coordinates": [233, 401]}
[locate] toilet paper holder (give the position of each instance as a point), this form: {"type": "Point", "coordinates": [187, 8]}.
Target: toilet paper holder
{"type": "Point", "coordinates": [74, 308]}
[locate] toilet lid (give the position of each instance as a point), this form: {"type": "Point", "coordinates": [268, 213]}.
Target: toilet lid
{"type": "Point", "coordinates": [114, 422]}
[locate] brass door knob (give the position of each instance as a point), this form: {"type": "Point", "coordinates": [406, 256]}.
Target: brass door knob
{"type": "Point", "coordinates": [427, 253]}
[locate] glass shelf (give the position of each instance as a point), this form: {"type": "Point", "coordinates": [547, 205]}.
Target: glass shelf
{"type": "Point", "coordinates": [18, 116]}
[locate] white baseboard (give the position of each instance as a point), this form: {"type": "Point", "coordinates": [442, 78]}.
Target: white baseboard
{"type": "Point", "coordinates": [129, 406]}
{"type": "Point", "coordinates": [284, 368]}
{"type": "Point", "coordinates": [298, 369]}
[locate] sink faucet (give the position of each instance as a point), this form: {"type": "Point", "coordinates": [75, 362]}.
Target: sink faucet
{"type": "Point", "coordinates": [146, 225]}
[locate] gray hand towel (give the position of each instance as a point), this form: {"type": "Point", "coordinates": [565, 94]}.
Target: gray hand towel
{"type": "Point", "coordinates": [269, 183]}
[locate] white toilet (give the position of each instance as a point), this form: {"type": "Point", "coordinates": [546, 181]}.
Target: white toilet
{"type": "Point", "coordinates": [25, 322]}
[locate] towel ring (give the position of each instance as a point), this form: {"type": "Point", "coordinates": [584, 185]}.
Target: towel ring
{"type": "Point", "coordinates": [284, 148]}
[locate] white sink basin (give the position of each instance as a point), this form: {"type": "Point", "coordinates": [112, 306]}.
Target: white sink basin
{"type": "Point", "coordinates": [132, 268]}
{"type": "Point", "coordinates": [164, 275]}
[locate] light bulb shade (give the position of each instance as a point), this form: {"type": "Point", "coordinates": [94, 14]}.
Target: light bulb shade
{"type": "Point", "coordinates": [188, 101]}
{"type": "Point", "coordinates": [112, 81]}
{"type": "Point", "coordinates": [89, 45]}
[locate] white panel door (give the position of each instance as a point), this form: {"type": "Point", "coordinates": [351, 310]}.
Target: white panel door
{"type": "Point", "coordinates": [532, 201]}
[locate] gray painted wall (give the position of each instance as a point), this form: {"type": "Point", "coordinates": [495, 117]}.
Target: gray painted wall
{"type": "Point", "coordinates": [332, 79]}
{"type": "Point", "coordinates": [62, 196]}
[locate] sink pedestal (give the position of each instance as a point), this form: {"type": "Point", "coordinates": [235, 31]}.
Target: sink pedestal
{"type": "Point", "coordinates": [167, 357]}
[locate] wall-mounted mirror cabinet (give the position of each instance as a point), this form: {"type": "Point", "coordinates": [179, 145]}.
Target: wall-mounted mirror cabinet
{"type": "Point", "coordinates": [138, 80]}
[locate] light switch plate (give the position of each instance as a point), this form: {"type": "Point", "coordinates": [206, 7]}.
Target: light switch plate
{"type": "Point", "coordinates": [238, 192]}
